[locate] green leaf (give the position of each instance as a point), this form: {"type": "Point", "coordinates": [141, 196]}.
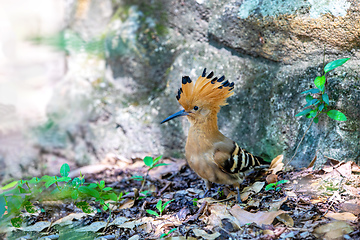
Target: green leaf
{"type": "Point", "coordinates": [169, 232]}
{"type": "Point", "coordinates": [137, 178]}
{"type": "Point", "coordinates": [84, 206]}
{"type": "Point", "coordinates": [76, 181]}
{"type": "Point", "coordinates": [16, 222]}
{"type": "Point", "coordinates": [9, 185]}
{"type": "Point", "coordinates": [269, 186]}
{"type": "Point", "coordinates": [101, 201]}
{"type": "Point", "coordinates": [316, 120]}
{"type": "Point", "coordinates": [161, 164]}
{"type": "Point", "coordinates": [167, 203]}
{"type": "Point", "coordinates": [312, 102]}
{"type": "Point", "coordinates": [157, 159]}
{"type": "Point", "coordinates": [325, 98]}
{"type": "Point", "coordinates": [282, 182]}
{"type": "Point", "coordinates": [320, 82]}
{"type": "Point", "coordinates": [2, 205]}
{"type": "Point", "coordinates": [313, 113]}
{"type": "Point", "coordinates": [64, 179]}
{"type": "Point", "coordinates": [309, 98]}
{"type": "Point", "coordinates": [107, 189]}
{"type": "Point", "coordinates": [22, 190]}
{"type": "Point", "coordinates": [321, 107]}
{"type": "Point", "coordinates": [334, 64]}
{"type": "Point", "coordinates": [312, 90]}
{"type": "Point", "coordinates": [89, 191]}
{"type": "Point", "coordinates": [29, 207]}
{"type": "Point", "coordinates": [306, 111]}
{"type": "Point", "coordinates": [75, 194]}
{"type": "Point", "coordinates": [159, 205]}
{"type": "Point", "coordinates": [102, 184]}
{"type": "Point", "coordinates": [92, 185]}
{"type": "Point", "coordinates": [152, 212]}
{"type": "Point", "coordinates": [50, 182]}
{"type": "Point", "coordinates": [113, 196]}
{"type": "Point", "coordinates": [105, 208]}
{"type": "Point", "coordinates": [336, 115]}
{"type": "Point", "coordinates": [148, 161]}
{"type": "Point", "coordinates": [64, 170]}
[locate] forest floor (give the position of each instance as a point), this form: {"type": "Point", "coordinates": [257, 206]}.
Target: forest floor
{"type": "Point", "coordinates": [313, 204]}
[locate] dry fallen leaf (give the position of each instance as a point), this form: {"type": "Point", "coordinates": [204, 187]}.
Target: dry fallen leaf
{"type": "Point", "coordinates": [276, 164]}
{"type": "Point", "coordinates": [128, 203]}
{"type": "Point", "coordinates": [219, 212]}
{"type": "Point", "coordinates": [333, 230]}
{"type": "Point", "coordinates": [276, 204]}
{"type": "Point", "coordinates": [255, 188]}
{"type": "Point", "coordinates": [290, 194]}
{"type": "Point", "coordinates": [345, 169]}
{"type": "Point", "coordinates": [68, 220]}
{"type": "Point", "coordinates": [205, 235]}
{"type": "Point", "coordinates": [355, 167]}
{"type": "Point", "coordinates": [345, 216]}
{"type": "Point", "coordinates": [312, 162]}
{"type": "Point", "coordinates": [286, 219]}
{"type": "Point", "coordinates": [271, 178]}
{"type": "Point", "coordinates": [94, 227]}
{"type": "Point", "coordinates": [37, 227]}
{"type": "Point", "coordinates": [259, 218]}
{"type": "Point", "coordinates": [351, 206]}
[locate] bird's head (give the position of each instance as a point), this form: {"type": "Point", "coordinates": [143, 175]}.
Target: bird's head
{"type": "Point", "coordinates": [202, 98]}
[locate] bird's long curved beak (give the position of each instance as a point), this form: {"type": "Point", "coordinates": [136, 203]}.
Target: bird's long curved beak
{"type": "Point", "coordinates": [175, 115]}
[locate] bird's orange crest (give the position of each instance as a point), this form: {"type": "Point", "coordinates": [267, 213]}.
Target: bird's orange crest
{"type": "Point", "coordinates": [206, 91]}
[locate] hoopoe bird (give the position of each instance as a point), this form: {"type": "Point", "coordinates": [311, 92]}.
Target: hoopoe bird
{"type": "Point", "coordinates": [214, 157]}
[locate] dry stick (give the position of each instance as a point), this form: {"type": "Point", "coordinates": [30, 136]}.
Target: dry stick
{"type": "Point", "coordinates": [143, 183]}
{"type": "Point", "coordinates": [312, 120]}
{"type": "Point", "coordinates": [198, 214]}
{"type": "Point", "coordinates": [51, 223]}
{"type": "Point", "coordinates": [108, 221]}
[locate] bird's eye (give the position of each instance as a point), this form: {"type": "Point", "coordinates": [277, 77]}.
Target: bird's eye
{"type": "Point", "coordinates": [196, 108]}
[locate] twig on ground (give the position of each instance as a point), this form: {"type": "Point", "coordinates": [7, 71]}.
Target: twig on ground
{"type": "Point", "coordinates": [198, 214]}
{"type": "Point", "coordinates": [168, 184]}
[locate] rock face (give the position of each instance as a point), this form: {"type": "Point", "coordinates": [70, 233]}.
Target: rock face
{"type": "Point", "coordinates": [124, 72]}
{"type": "Point", "coordinates": [272, 50]}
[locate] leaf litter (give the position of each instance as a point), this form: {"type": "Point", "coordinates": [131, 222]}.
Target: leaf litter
{"type": "Point", "coordinates": [319, 203]}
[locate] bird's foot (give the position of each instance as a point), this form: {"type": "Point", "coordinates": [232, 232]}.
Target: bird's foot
{"type": "Point", "coordinates": [238, 196]}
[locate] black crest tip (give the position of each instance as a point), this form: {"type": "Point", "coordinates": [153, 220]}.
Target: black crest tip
{"type": "Point", "coordinates": [204, 73]}
{"type": "Point", "coordinates": [226, 83]}
{"type": "Point", "coordinates": [231, 85]}
{"type": "Point", "coordinates": [184, 80]}
{"type": "Point", "coordinates": [210, 75]}
{"type": "Point", "coordinates": [222, 78]}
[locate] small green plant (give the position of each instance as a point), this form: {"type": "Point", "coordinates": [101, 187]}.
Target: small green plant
{"type": "Point", "coordinates": [160, 207]}
{"type": "Point", "coordinates": [220, 193]}
{"type": "Point", "coordinates": [274, 186]}
{"type": "Point", "coordinates": [151, 163]}
{"type": "Point", "coordinates": [195, 202]}
{"type": "Point", "coordinates": [20, 195]}
{"type": "Point", "coordinates": [166, 234]}
{"type": "Point", "coordinates": [318, 100]}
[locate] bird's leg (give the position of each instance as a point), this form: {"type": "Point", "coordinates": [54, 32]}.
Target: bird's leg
{"type": "Point", "coordinates": [238, 195]}
{"type": "Point", "coordinates": [208, 186]}
{"type": "Point", "coordinates": [237, 186]}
